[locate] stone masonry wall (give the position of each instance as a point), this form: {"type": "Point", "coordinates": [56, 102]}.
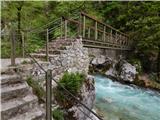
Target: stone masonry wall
{"type": "Point", "coordinates": [114, 54]}
{"type": "Point", "coordinates": [73, 59]}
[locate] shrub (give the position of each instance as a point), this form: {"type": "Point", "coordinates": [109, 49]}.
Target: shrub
{"type": "Point", "coordinates": [72, 82]}
{"type": "Point", "coordinates": [58, 114]}
{"type": "Point", "coordinates": [37, 89]}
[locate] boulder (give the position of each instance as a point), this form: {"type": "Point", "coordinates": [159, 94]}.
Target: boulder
{"type": "Point", "coordinates": [98, 60]}
{"type": "Point", "coordinates": [101, 63]}
{"type": "Point", "coordinates": [123, 71]}
{"type": "Point", "coordinates": [127, 72]}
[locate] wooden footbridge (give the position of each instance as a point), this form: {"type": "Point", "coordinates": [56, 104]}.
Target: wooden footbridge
{"type": "Point", "coordinates": [94, 33]}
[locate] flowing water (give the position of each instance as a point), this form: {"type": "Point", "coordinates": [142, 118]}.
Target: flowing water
{"type": "Point", "coordinates": [121, 102]}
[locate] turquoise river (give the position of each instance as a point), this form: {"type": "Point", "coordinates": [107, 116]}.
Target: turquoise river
{"type": "Point", "coordinates": [117, 101]}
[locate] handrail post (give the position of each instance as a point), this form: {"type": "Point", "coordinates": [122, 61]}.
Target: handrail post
{"type": "Point", "coordinates": [61, 27]}
{"type": "Point", "coordinates": [23, 44]}
{"type": "Point", "coordinates": [12, 48]}
{"type": "Point", "coordinates": [65, 29]}
{"type": "Point", "coordinates": [80, 22]}
{"type": "Point", "coordinates": [120, 39]}
{"type": "Point", "coordinates": [111, 36]}
{"type": "Point", "coordinates": [47, 49]}
{"type": "Point", "coordinates": [84, 25]}
{"type": "Point", "coordinates": [89, 32]}
{"type": "Point", "coordinates": [48, 94]}
{"type": "Point", "coordinates": [104, 33]}
{"type": "Point", "coordinates": [116, 37]}
{"type": "Point", "coordinates": [95, 30]}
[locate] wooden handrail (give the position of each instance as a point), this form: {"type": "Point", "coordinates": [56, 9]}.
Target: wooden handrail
{"type": "Point", "coordinates": [93, 18]}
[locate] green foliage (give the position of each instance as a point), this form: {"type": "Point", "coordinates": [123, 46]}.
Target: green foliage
{"type": "Point", "coordinates": [37, 89]}
{"type": "Point", "coordinates": [72, 82]}
{"type": "Point", "coordinates": [5, 49]}
{"type": "Point", "coordinates": [58, 114]}
{"type": "Point", "coordinates": [153, 77]}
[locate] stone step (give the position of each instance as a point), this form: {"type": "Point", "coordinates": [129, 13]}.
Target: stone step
{"type": "Point", "coordinates": [10, 70]}
{"type": "Point", "coordinates": [41, 55]}
{"type": "Point", "coordinates": [10, 79]}
{"type": "Point", "coordinates": [51, 51]}
{"type": "Point", "coordinates": [13, 91]}
{"type": "Point", "coordinates": [17, 106]}
{"type": "Point", "coordinates": [60, 43]}
{"type": "Point", "coordinates": [33, 114]}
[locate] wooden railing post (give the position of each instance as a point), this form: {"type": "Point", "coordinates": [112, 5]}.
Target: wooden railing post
{"type": "Point", "coordinates": [80, 24]}
{"type": "Point", "coordinates": [12, 48]}
{"type": "Point", "coordinates": [116, 37]}
{"type": "Point", "coordinates": [111, 36]}
{"type": "Point", "coordinates": [84, 25]}
{"type": "Point", "coordinates": [47, 49]}
{"type": "Point", "coordinates": [120, 39]}
{"type": "Point", "coordinates": [48, 94]}
{"type": "Point", "coordinates": [61, 27]}
{"type": "Point", "coordinates": [65, 29]}
{"type": "Point", "coordinates": [95, 30]}
{"type": "Point", "coordinates": [89, 32]}
{"type": "Point", "coordinates": [23, 44]}
{"type": "Point", "coordinates": [104, 33]}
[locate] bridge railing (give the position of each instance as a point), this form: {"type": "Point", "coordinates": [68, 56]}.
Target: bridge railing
{"type": "Point", "coordinates": [93, 29]}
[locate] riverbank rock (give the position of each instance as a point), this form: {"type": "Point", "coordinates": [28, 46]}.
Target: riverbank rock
{"type": "Point", "coordinates": [87, 97]}
{"type": "Point", "coordinates": [123, 71]}
{"type": "Point", "coordinates": [126, 71]}
{"type": "Point", "coordinates": [100, 64]}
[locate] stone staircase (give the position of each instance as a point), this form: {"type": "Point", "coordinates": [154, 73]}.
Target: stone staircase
{"type": "Point", "coordinates": [17, 100]}
{"type": "Point", "coordinates": [56, 47]}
